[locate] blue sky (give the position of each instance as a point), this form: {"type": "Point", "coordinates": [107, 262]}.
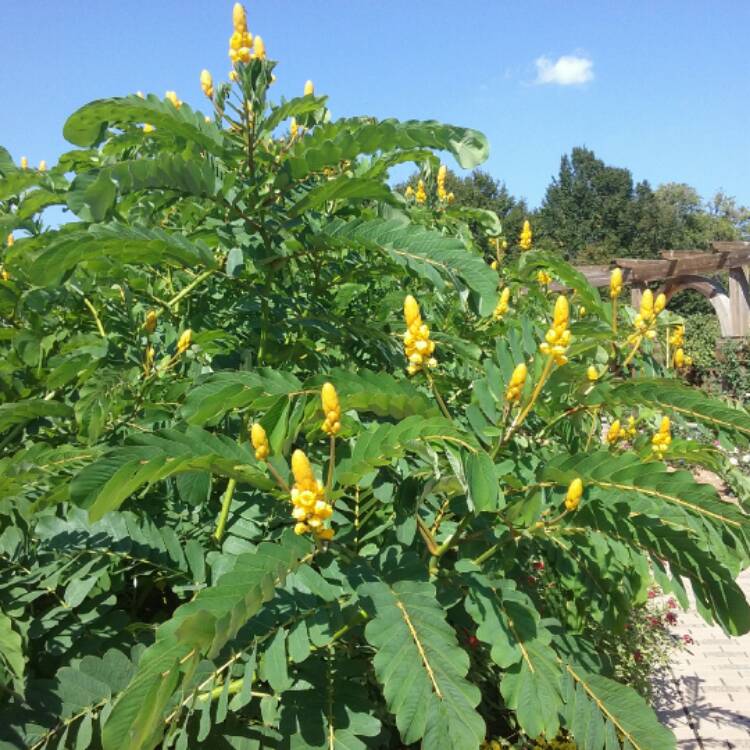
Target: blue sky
{"type": "Point", "coordinates": [668, 95]}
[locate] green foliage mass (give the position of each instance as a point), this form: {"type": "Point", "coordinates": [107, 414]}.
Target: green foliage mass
{"type": "Point", "coordinates": [216, 274]}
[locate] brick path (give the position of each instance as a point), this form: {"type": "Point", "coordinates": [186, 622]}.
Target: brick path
{"type": "Point", "coordinates": [705, 696]}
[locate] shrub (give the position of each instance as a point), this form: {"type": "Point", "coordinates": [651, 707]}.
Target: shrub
{"type": "Point", "coordinates": [205, 545]}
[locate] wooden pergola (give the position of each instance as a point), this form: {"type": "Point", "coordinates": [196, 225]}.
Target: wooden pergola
{"type": "Point", "coordinates": [691, 269]}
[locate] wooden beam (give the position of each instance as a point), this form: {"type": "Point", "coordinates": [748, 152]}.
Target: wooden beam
{"type": "Point", "coordinates": [729, 247]}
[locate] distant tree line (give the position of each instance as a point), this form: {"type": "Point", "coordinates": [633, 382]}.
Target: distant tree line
{"type": "Point", "coordinates": [593, 212]}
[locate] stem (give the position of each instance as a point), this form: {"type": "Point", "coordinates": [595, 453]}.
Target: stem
{"type": "Point", "coordinates": [97, 320]}
{"type": "Point", "coordinates": [635, 348]}
{"type": "Point", "coordinates": [667, 362]}
{"type": "Point", "coordinates": [427, 536]}
{"type": "Point", "coordinates": [486, 554]}
{"type": "Point", "coordinates": [614, 317]}
{"type": "Point", "coordinates": [199, 279]}
{"type": "Point", "coordinates": [438, 397]}
{"type": "Point", "coordinates": [331, 464]}
{"type": "Point", "coordinates": [279, 479]}
{"type": "Point", "coordinates": [225, 505]}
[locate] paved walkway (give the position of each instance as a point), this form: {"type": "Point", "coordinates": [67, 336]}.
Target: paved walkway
{"type": "Point", "coordinates": [705, 696]}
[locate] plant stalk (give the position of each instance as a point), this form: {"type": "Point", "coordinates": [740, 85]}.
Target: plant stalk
{"type": "Point", "coordinates": [225, 505]}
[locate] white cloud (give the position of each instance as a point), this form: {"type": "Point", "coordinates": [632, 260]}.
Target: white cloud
{"type": "Point", "coordinates": [568, 70]}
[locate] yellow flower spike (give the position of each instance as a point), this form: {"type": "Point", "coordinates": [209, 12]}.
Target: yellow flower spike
{"type": "Point", "coordinates": [24, 163]}
{"type": "Point", "coordinates": [409, 192]}
{"type": "Point", "coordinates": [517, 383]}
{"type": "Point", "coordinates": [450, 197]}
{"type": "Point", "coordinates": [42, 166]}
{"type": "Point", "coordinates": [614, 433]}
{"type": "Point", "coordinates": [418, 346]}
{"type": "Point", "coordinates": [4, 275]}
{"type": "Point", "coordinates": [592, 374]}
{"type": "Point", "coordinates": [411, 310]}
{"type": "Point", "coordinates": [581, 312]}
{"type": "Point", "coordinates": [10, 239]}
{"type": "Point", "coordinates": [573, 495]}
{"type": "Point", "coordinates": [148, 128]}
{"type": "Point", "coordinates": [543, 278]}
{"type": "Point", "coordinates": [631, 431]}
{"type": "Point", "coordinates": [149, 323]}
{"type": "Point", "coordinates": [660, 303]}
{"type": "Point", "coordinates": [332, 410]}
{"type": "Point", "coordinates": [259, 49]}
{"type": "Point", "coordinates": [647, 305]}
{"type": "Point", "coordinates": [420, 196]}
{"type": "Point", "coordinates": [615, 283]}
{"type": "Point", "coordinates": [309, 89]}
{"type": "Point", "coordinates": [259, 439]}
{"type": "Point", "coordinates": [172, 97]}
{"type": "Point", "coordinates": [148, 359]}
{"type": "Point", "coordinates": [302, 471]}
{"type": "Point", "coordinates": [663, 437]}
{"type": "Point", "coordinates": [677, 337]}
{"type": "Point", "coordinates": [293, 128]}
{"type": "Point", "coordinates": [441, 177]}
{"type": "Point", "coordinates": [679, 359]}
{"type": "Point", "coordinates": [525, 239]}
{"type": "Point", "coordinates": [185, 340]}
{"type": "Point", "coordinates": [562, 312]}
{"type": "Point", "coordinates": [502, 306]}
{"type": "Point", "coordinates": [207, 83]}
{"type": "Point", "coordinates": [239, 18]}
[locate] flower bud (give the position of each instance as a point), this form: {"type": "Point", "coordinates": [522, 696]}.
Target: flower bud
{"type": "Point", "coordinates": [172, 97]}
{"type": "Point", "coordinates": [592, 374]}
{"type": "Point", "coordinates": [185, 340]}
{"type": "Point", "coordinates": [24, 163]}
{"type": "Point", "coordinates": [259, 48]}
{"type": "Point", "coordinates": [148, 128]}
{"type": "Point", "coordinates": [10, 239]}
{"type": "Point", "coordinates": [615, 283]}
{"type": "Point", "coordinates": [573, 496]}
{"type": "Point", "coordinates": [42, 166]}
{"type": "Point", "coordinates": [239, 17]}
{"type": "Point", "coordinates": [301, 470]}
{"type": "Point", "coordinates": [660, 303]}
{"type": "Point", "coordinates": [309, 89]}
{"type": "Point", "coordinates": [149, 324]}
{"type": "Point", "coordinates": [259, 439]}
{"type": "Point", "coordinates": [207, 83]}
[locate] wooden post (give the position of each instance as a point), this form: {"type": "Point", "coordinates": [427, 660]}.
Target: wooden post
{"type": "Point", "coordinates": [739, 301]}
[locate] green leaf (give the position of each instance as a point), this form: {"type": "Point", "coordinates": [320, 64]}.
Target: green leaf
{"type": "Point", "coordinates": [344, 140]}
{"type": "Point", "coordinates": [301, 105]}
{"type": "Point", "coordinates": [343, 187]}
{"type": "Point", "coordinates": [377, 393]}
{"type": "Point", "coordinates": [108, 246]}
{"type": "Point", "coordinates": [105, 484]}
{"type": "Point", "coordinates": [11, 646]}
{"type": "Point", "coordinates": [484, 491]}
{"type": "Point", "coordinates": [381, 445]}
{"type": "Point", "coordinates": [427, 252]}
{"type": "Point", "coordinates": [24, 411]}
{"type": "Point", "coordinates": [199, 628]}
{"type": "Point", "coordinates": [672, 396]}
{"type": "Point", "coordinates": [222, 392]}
{"type": "Point", "coordinates": [421, 667]}
{"type": "Point", "coordinates": [634, 720]}
{"type": "Point", "coordinates": [87, 126]}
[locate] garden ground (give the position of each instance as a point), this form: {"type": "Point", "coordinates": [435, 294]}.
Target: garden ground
{"type": "Point", "coordinates": [704, 697]}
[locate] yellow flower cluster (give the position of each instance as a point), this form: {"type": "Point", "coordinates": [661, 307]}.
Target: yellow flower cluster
{"type": "Point", "coordinates": [442, 194]}
{"type": "Point", "coordinates": [241, 41]}
{"type": "Point", "coordinates": [677, 337]}
{"type": "Point", "coordinates": [332, 409]}
{"type": "Point", "coordinates": [207, 84]}
{"type": "Point", "coordinates": [682, 360]}
{"type": "Point", "coordinates": [172, 97]}
{"type": "Point", "coordinates": [617, 432]}
{"type": "Point", "coordinates": [592, 374]}
{"type": "Point", "coordinates": [185, 340]}
{"type": "Point", "coordinates": [418, 346]}
{"type": "Point", "coordinates": [646, 318]}
{"type": "Point", "coordinates": [517, 383]}
{"type": "Point", "coordinates": [149, 323]}
{"type": "Point", "coordinates": [662, 438]}
{"type": "Point", "coordinates": [573, 495]}
{"type": "Point", "coordinates": [310, 508]}
{"type": "Point", "coordinates": [557, 338]}
{"type": "Point", "coordinates": [615, 283]}
{"type": "Point", "coordinates": [524, 241]}
{"type": "Point", "coordinates": [259, 439]}
{"type": "Point", "coordinates": [420, 196]}
{"type": "Point", "coordinates": [409, 192]}
{"type": "Point", "coordinates": [502, 306]}
{"type": "Point", "coordinates": [543, 278]}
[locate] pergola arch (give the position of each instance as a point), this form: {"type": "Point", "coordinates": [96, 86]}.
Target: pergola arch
{"type": "Point", "coordinates": [691, 269]}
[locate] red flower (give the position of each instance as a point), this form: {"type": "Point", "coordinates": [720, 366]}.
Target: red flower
{"type": "Point", "coordinates": [672, 603]}
{"type": "Point", "coordinates": [473, 641]}
{"type": "Point", "coordinates": [687, 639]}
{"type": "Point", "coordinates": [652, 594]}
{"type": "Point", "coordinates": [637, 655]}
{"type": "Point", "coordinates": [539, 565]}
{"type": "Point", "coordinates": [671, 618]}
{"type": "Point", "coordinates": [532, 581]}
